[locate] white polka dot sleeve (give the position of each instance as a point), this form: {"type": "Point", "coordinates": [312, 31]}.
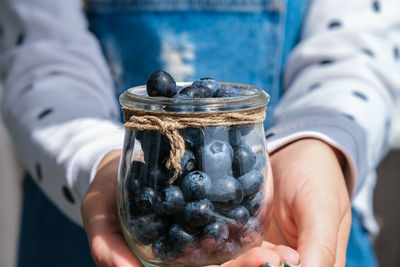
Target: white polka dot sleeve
{"type": "Point", "coordinates": [58, 101]}
{"type": "Point", "coordinates": [341, 83]}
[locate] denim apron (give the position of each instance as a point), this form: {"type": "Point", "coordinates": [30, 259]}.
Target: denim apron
{"type": "Point", "coordinates": [241, 41]}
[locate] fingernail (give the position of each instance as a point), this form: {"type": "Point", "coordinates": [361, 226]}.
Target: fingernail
{"type": "Point", "coordinates": [290, 265]}
{"type": "Point", "coordinates": [267, 264]}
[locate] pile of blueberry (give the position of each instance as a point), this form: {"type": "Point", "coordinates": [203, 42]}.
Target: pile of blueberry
{"type": "Point", "coordinates": [161, 83]}
{"type": "Point", "coordinates": [213, 209]}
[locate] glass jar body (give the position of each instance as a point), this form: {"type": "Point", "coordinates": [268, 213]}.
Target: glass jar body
{"type": "Point", "coordinates": [216, 209]}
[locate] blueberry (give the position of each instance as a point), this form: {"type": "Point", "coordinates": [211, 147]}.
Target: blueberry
{"type": "Point", "coordinates": [246, 129]}
{"type": "Point", "coordinates": [180, 238]}
{"type": "Point", "coordinates": [227, 91]}
{"type": "Point", "coordinates": [228, 250]}
{"type": "Point", "coordinates": [146, 229]}
{"type": "Point", "coordinates": [260, 162]}
{"type": "Point", "coordinates": [170, 200]}
{"type": "Point", "coordinates": [195, 91]}
{"type": "Point", "coordinates": [211, 85]}
{"type": "Point", "coordinates": [134, 187]}
{"type": "Point", "coordinates": [145, 200]}
{"type": "Point", "coordinates": [161, 83]}
{"type": "Point", "coordinates": [226, 190]}
{"type": "Point", "coordinates": [180, 106]}
{"type": "Point", "coordinates": [254, 203]}
{"type": "Point", "coordinates": [243, 160]}
{"type": "Point", "coordinates": [195, 185]}
{"type": "Point", "coordinates": [217, 229]}
{"type": "Point", "coordinates": [198, 214]}
{"type": "Point", "coordinates": [156, 176]}
{"type": "Point", "coordinates": [133, 182]}
{"type": "Point", "coordinates": [216, 158]}
{"type": "Point", "coordinates": [163, 249]}
{"type": "Point", "coordinates": [181, 96]}
{"type": "Point", "coordinates": [215, 133]}
{"type": "Point", "coordinates": [155, 146]}
{"type": "Point", "coordinates": [139, 135]}
{"type": "Point", "coordinates": [234, 136]}
{"type": "Point", "coordinates": [188, 162]}
{"type": "Point", "coordinates": [195, 256]}
{"type": "Point", "coordinates": [251, 232]}
{"type": "Point", "coordinates": [193, 136]}
{"type": "Point", "coordinates": [178, 89]}
{"type": "Point", "coordinates": [251, 182]}
{"type": "Point", "coordinates": [135, 170]}
{"type": "Point", "coordinates": [239, 214]}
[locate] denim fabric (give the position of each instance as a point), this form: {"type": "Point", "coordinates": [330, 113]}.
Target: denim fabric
{"type": "Point", "coordinates": [47, 237]}
{"type": "Point", "coordinates": [184, 5]}
{"type": "Point", "coordinates": [235, 41]}
{"type": "Point", "coordinates": [243, 41]}
{"type": "Point", "coordinates": [360, 251]}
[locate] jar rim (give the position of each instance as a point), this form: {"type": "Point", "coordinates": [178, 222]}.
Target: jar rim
{"type": "Point", "coordinates": [251, 97]}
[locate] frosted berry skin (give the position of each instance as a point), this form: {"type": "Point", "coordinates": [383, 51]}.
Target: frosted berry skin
{"type": "Point", "coordinates": [161, 83]}
{"type": "Point", "coordinates": [216, 209]}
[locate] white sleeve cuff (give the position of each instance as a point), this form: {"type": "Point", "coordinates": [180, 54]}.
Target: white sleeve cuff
{"type": "Point", "coordinates": [337, 130]}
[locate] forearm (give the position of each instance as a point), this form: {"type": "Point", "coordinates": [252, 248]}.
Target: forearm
{"type": "Point", "coordinates": [342, 82]}
{"type": "Point", "coordinates": [58, 98]}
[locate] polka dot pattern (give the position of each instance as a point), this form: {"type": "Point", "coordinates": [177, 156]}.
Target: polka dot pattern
{"type": "Point", "coordinates": [350, 117]}
{"type": "Point", "coordinates": [360, 95]}
{"type": "Point", "coordinates": [376, 6]}
{"type": "Point", "coordinates": [20, 38]}
{"type": "Point", "coordinates": [326, 62]}
{"type": "Point", "coordinates": [314, 86]}
{"type": "Point", "coordinates": [334, 24]}
{"type": "Point", "coordinates": [45, 113]}
{"type": "Point", "coordinates": [3, 75]}
{"type": "Point", "coordinates": [67, 194]}
{"type": "Point", "coordinates": [368, 52]}
{"type": "Point", "coordinates": [38, 170]}
{"type": "Point", "coordinates": [27, 88]}
{"type": "Point", "coordinates": [269, 135]}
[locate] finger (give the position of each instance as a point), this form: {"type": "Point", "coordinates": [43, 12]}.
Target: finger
{"type": "Point", "coordinates": [111, 250]}
{"type": "Point", "coordinates": [100, 219]}
{"type": "Point", "coordinates": [256, 257]}
{"type": "Point", "coordinates": [343, 238]}
{"type": "Point", "coordinates": [288, 255]}
{"type": "Point", "coordinates": [318, 226]}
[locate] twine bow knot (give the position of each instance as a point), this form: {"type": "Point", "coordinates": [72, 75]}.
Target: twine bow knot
{"type": "Point", "coordinates": [169, 124]}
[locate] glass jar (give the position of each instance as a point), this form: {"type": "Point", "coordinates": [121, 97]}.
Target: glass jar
{"type": "Point", "coordinates": [218, 205]}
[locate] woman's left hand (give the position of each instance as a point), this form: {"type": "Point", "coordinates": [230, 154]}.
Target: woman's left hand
{"type": "Point", "coordinates": [311, 202]}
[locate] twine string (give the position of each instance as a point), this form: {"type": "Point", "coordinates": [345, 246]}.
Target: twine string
{"type": "Point", "coordinates": [169, 124]}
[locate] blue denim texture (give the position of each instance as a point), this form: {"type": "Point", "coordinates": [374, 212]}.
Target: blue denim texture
{"type": "Point", "coordinates": [238, 41]}
{"type": "Point", "coordinates": [242, 41]}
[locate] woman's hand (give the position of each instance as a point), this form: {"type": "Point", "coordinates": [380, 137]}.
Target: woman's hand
{"type": "Point", "coordinates": [311, 204]}
{"type": "Point", "coordinates": [100, 218]}
{"type": "Point", "coordinates": [108, 247]}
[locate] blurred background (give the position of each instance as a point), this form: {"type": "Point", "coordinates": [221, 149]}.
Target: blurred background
{"type": "Point", "coordinates": [387, 199]}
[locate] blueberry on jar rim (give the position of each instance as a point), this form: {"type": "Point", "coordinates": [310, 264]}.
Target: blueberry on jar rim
{"type": "Point", "coordinates": [211, 85]}
{"type": "Point", "coordinates": [161, 83]}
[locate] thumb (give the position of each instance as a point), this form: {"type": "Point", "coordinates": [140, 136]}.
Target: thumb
{"type": "Point", "coordinates": [318, 227]}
